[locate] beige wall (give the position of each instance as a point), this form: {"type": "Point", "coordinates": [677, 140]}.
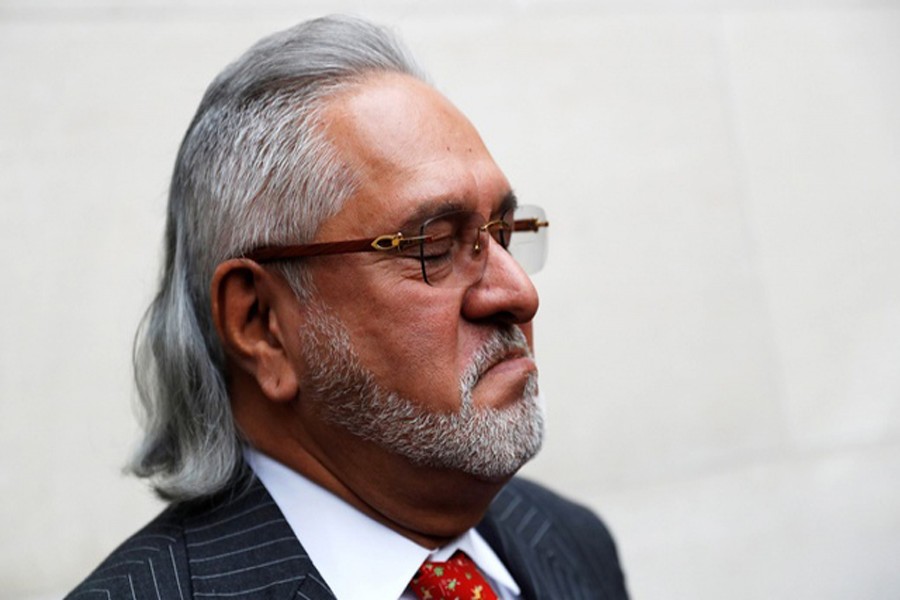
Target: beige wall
{"type": "Point", "coordinates": [719, 338]}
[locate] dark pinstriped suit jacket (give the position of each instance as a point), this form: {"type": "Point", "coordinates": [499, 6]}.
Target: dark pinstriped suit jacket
{"type": "Point", "coordinates": [239, 545]}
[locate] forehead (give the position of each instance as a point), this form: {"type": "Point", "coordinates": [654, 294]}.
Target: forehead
{"type": "Point", "coordinates": [410, 150]}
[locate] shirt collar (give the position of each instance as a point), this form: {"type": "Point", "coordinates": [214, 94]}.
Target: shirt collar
{"type": "Point", "coordinates": [482, 555]}
{"type": "Point", "coordinates": [357, 556]}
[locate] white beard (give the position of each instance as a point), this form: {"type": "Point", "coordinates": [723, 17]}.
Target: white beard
{"type": "Point", "coordinates": [488, 443]}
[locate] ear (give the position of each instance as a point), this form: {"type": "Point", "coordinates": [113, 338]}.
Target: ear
{"type": "Point", "coordinates": [249, 307]}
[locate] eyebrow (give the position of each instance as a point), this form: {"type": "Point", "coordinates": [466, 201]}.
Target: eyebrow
{"type": "Point", "coordinates": [437, 207]}
{"type": "Point", "coordinates": [509, 202]}
{"type": "Point", "coordinates": [430, 209]}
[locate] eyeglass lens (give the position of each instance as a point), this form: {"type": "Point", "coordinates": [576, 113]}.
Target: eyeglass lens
{"type": "Point", "coordinates": [528, 244]}
{"type": "Point", "coordinates": [456, 252]}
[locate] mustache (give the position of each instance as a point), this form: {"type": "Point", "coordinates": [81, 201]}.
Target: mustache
{"type": "Point", "coordinates": [502, 342]}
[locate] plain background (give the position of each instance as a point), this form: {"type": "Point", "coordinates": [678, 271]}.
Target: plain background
{"type": "Point", "coordinates": [719, 337]}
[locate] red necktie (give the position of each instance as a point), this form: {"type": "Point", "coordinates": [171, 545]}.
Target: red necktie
{"type": "Point", "coordinates": [458, 578]}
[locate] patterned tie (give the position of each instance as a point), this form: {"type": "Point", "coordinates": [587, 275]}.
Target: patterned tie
{"type": "Point", "coordinates": [456, 579]}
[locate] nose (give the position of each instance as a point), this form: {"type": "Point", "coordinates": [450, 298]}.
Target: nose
{"type": "Point", "coordinates": [504, 292]}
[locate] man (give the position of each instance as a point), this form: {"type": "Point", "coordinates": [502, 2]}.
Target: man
{"type": "Point", "coordinates": [337, 381]}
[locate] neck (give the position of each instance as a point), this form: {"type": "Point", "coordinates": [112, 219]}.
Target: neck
{"type": "Point", "coordinates": [427, 505]}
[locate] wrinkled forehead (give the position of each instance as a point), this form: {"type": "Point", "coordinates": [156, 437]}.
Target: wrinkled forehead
{"type": "Point", "coordinates": [409, 149]}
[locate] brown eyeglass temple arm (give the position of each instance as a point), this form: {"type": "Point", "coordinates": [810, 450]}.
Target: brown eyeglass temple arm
{"type": "Point", "coordinates": [529, 224]}
{"type": "Point", "coordinates": [272, 253]}
{"type": "Point", "coordinates": [382, 243]}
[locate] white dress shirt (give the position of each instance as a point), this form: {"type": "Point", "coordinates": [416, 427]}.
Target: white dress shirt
{"type": "Point", "coordinates": [359, 558]}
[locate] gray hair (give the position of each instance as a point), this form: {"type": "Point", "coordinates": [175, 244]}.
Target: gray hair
{"type": "Point", "coordinates": [254, 169]}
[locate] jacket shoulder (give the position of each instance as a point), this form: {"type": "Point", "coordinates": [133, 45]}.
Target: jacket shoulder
{"type": "Point", "coordinates": [581, 523]}
{"type": "Point", "coordinates": [235, 543]}
{"type": "Point", "coordinates": [558, 534]}
{"type": "Point", "coordinates": [151, 563]}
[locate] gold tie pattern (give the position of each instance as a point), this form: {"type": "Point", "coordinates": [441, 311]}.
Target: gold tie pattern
{"type": "Point", "coordinates": [456, 579]}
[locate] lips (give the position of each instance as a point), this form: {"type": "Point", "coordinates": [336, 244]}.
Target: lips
{"type": "Point", "coordinates": [504, 346]}
{"type": "Point", "coordinates": [503, 355]}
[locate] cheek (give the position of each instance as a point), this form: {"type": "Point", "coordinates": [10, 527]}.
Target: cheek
{"type": "Point", "coordinates": [407, 335]}
{"type": "Point", "coordinates": [414, 335]}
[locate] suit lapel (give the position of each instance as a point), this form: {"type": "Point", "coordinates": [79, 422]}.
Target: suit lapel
{"type": "Point", "coordinates": [241, 545]}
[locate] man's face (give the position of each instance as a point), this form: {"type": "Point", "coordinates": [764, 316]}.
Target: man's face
{"type": "Point", "coordinates": [414, 154]}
